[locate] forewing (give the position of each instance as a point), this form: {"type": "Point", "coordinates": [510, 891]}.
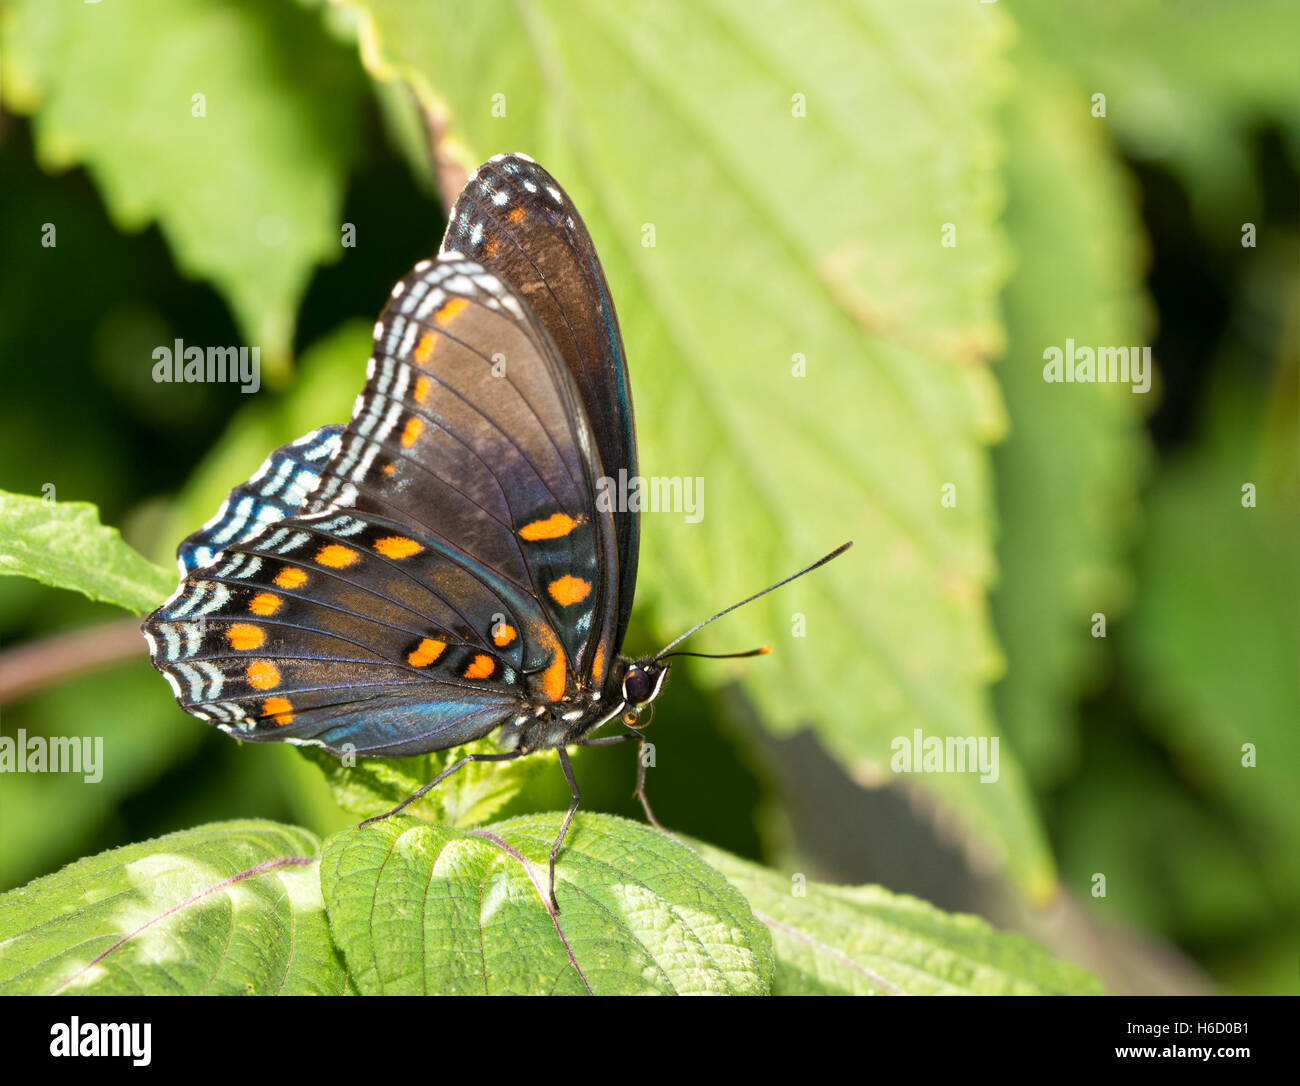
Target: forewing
{"type": "Point", "coordinates": [470, 434]}
{"type": "Point", "coordinates": [515, 219]}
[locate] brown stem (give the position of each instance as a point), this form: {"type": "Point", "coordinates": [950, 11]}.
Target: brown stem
{"type": "Point", "coordinates": [28, 668]}
{"type": "Point", "coordinates": [448, 174]}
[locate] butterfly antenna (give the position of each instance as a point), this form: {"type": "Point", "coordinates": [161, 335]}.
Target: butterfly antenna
{"type": "Point", "coordinates": [727, 610]}
{"type": "Point", "coordinates": [762, 650]}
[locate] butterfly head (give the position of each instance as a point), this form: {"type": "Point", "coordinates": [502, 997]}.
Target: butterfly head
{"type": "Point", "coordinates": [642, 682]}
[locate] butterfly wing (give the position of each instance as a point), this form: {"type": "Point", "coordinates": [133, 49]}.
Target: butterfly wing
{"type": "Point", "coordinates": [448, 570]}
{"type": "Point", "coordinates": [514, 219]}
{"type": "Point", "coordinates": [276, 491]}
{"type": "Point", "coordinates": [471, 433]}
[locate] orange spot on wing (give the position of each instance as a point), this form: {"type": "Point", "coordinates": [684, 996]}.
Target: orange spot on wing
{"type": "Point", "coordinates": [568, 590]}
{"type": "Point", "coordinates": [450, 311]}
{"type": "Point", "coordinates": [426, 652]}
{"type": "Point", "coordinates": [278, 709]}
{"type": "Point", "coordinates": [263, 674]}
{"type": "Point", "coordinates": [491, 247]}
{"type": "Point", "coordinates": [244, 636]}
{"type": "Point", "coordinates": [389, 468]}
{"type": "Point", "coordinates": [556, 526]}
{"type": "Point", "coordinates": [290, 578]}
{"type": "Point", "coordinates": [481, 668]}
{"type": "Point", "coordinates": [264, 603]}
{"type": "Point", "coordinates": [414, 427]}
{"type": "Point", "coordinates": [336, 557]}
{"type": "Point", "coordinates": [397, 546]}
{"type": "Point", "coordinates": [503, 635]}
{"type": "Point", "coordinates": [515, 214]}
{"type": "Point", "coordinates": [422, 388]}
{"type": "Point", "coordinates": [424, 349]}
{"type": "Point", "coordinates": [554, 678]}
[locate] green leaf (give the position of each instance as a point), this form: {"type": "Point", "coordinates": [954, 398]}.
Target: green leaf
{"type": "Point", "coordinates": [1191, 91]}
{"type": "Point", "coordinates": [469, 797]}
{"type": "Point", "coordinates": [136, 737]}
{"type": "Point", "coordinates": [228, 908]}
{"type": "Point", "coordinates": [862, 940]}
{"type": "Point", "coordinates": [248, 195]}
{"type": "Point", "coordinates": [64, 545]}
{"type": "Point", "coordinates": [1068, 474]}
{"type": "Point", "coordinates": [832, 226]}
{"type": "Point", "coordinates": [1212, 644]}
{"type": "Point", "coordinates": [420, 909]}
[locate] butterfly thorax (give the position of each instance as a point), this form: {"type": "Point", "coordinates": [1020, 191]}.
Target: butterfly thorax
{"type": "Point", "coordinates": [629, 686]}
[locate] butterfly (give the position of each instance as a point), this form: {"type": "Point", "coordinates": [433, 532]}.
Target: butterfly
{"type": "Point", "coordinates": [439, 569]}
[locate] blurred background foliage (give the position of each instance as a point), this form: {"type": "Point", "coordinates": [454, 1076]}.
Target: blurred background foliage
{"type": "Point", "coordinates": [777, 235]}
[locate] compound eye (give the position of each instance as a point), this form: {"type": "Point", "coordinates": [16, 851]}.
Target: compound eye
{"type": "Point", "coordinates": [637, 685]}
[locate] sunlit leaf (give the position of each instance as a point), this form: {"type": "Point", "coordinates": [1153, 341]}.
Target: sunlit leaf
{"type": "Point", "coordinates": [863, 940]}
{"type": "Point", "coordinates": [230, 908]}
{"type": "Point", "coordinates": [63, 544]}
{"type": "Point", "coordinates": [420, 909]}
{"type": "Point", "coordinates": [469, 797]}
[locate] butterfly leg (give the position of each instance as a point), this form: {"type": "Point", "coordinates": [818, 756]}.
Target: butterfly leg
{"type": "Point", "coordinates": [439, 779]}
{"type": "Point", "coordinates": [639, 792]}
{"type": "Point", "coordinates": [640, 789]}
{"type": "Point", "coordinates": [564, 828]}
